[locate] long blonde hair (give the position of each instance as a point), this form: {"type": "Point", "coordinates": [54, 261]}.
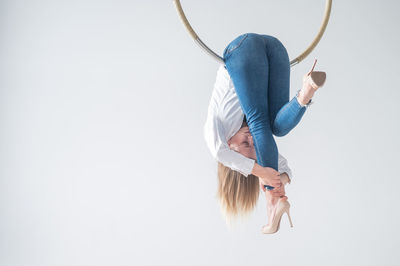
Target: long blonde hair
{"type": "Point", "coordinates": [237, 194]}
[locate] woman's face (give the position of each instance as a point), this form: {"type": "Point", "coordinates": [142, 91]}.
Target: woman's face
{"type": "Point", "coordinates": [242, 142]}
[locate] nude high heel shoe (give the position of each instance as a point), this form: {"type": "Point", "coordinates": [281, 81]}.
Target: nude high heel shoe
{"type": "Point", "coordinates": [282, 207]}
{"type": "Point", "coordinates": [315, 78]}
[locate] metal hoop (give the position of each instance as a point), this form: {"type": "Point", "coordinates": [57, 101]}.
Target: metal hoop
{"type": "Point", "coordinates": [298, 59]}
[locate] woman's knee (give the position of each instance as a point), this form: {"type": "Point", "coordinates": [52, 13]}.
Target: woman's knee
{"type": "Point", "coordinates": [258, 122]}
{"type": "Point", "coordinates": [279, 132]}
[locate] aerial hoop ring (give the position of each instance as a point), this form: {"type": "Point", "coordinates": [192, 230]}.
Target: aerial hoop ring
{"type": "Point", "coordinates": [195, 37]}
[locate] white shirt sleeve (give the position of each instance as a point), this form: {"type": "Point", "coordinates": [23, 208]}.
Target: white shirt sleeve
{"type": "Point", "coordinates": [214, 135]}
{"type": "Point", "coordinates": [283, 166]}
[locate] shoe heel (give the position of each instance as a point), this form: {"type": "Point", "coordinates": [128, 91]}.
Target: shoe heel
{"type": "Point", "coordinates": [290, 219]}
{"type": "Point", "coordinates": [312, 69]}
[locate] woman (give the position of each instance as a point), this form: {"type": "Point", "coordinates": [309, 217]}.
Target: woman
{"type": "Point", "coordinates": [249, 104]}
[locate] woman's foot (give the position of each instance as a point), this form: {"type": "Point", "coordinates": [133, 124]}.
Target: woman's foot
{"type": "Point", "coordinates": [282, 207]}
{"type": "Point", "coordinates": [273, 196]}
{"type": "Point", "coordinates": [271, 209]}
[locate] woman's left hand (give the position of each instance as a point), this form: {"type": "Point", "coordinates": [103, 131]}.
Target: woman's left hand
{"type": "Point", "coordinates": [267, 175]}
{"type": "Point", "coordinates": [276, 192]}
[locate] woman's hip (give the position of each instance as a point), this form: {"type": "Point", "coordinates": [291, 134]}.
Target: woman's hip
{"type": "Point", "coordinates": [258, 43]}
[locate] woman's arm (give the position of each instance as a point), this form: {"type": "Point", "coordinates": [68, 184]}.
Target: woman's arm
{"type": "Point", "coordinates": [216, 141]}
{"type": "Point", "coordinates": [214, 128]}
{"type": "Point", "coordinates": [267, 175]}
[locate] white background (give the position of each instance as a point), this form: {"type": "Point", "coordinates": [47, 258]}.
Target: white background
{"type": "Point", "coordinates": [102, 157]}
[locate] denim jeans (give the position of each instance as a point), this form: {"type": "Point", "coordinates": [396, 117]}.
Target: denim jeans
{"type": "Point", "coordinates": [259, 67]}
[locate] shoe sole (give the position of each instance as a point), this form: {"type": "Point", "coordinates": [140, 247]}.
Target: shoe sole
{"type": "Point", "coordinates": [318, 77]}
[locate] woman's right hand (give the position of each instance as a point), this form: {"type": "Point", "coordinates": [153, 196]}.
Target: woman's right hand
{"type": "Point", "coordinates": [267, 175]}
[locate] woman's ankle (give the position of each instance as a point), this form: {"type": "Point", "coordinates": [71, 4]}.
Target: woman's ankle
{"type": "Point", "coordinates": [302, 99]}
{"type": "Point", "coordinates": [273, 201]}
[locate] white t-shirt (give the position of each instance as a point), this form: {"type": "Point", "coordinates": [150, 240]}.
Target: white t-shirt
{"type": "Point", "coordinates": [224, 119]}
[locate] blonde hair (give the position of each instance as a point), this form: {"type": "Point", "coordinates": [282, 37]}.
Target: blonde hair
{"type": "Point", "coordinates": [237, 194]}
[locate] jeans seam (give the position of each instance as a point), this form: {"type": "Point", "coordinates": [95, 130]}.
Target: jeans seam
{"type": "Point", "coordinates": [228, 53]}
{"type": "Point", "coordinates": [254, 141]}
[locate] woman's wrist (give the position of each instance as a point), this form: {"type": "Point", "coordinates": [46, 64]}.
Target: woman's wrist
{"type": "Point", "coordinates": [257, 170]}
{"type": "Point", "coordinates": [262, 171]}
{"type": "Point", "coordinates": [267, 175]}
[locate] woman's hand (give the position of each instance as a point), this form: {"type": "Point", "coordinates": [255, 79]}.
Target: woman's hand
{"type": "Point", "coordinates": [276, 192]}
{"type": "Point", "coordinates": [267, 175]}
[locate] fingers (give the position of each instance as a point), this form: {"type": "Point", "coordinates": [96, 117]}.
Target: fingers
{"type": "Point", "coordinates": [275, 172]}
{"type": "Point", "coordinates": [276, 181]}
{"type": "Point", "coordinates": [271, 177]}
{"type": "Point", "coordinates": [278, 192]}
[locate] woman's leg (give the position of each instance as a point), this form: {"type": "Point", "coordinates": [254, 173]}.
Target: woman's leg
{"type": "Point", "coordinates": [248, 66]}
{"type": "Point", "coordinates": [259, 68]}
{"type": "Point", "coordinates": [284, 114]}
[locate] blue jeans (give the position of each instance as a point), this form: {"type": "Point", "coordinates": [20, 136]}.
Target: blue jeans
{"type": "Point", "coordinates": [259, 67]}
